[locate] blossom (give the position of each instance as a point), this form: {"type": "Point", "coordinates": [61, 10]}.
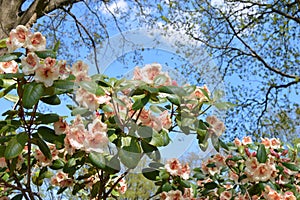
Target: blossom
{"type": "Point", "coordinates": [64, 70]}
{"type": "Point", "coordinates": [122, 186]}
{"type": "Point", "coordinates": [226, 195]}
{"type": "Point", "coordinates": [47, 73]}
{"type": "Point", "coordinates": [199, 94]}
{"type": "Point", "coordinates": [30, 63]}
{"type": "Point", "coordinates": [61, 179]}
{"type": "Point", "coordinates": [188, 193]}
{"type": "Point", "coordinates": [79, 67]}
{"type": "Point", "coordinates": [173, 166]}
{"type": "Point", "coordinates": [165, 119]}
{"type": "Point", "coordinates": [171, 195]}
{"type": "Point", "coordinates": [149, 73]}
{"type": "Point", "coordinates": [216, 125]}
{"type": "Point", "coordinates": [2, 162]}
{"type": "Point", "coordinates": [247, 140]}
{"type": "Point", "coordinates": [60, 126]}
{"type": "Point", "coordinates": [8, 67]}
{"type": "Point", "coordinates": [17, 38]}
{"type": "Point", "coordinates": [35, 42]}
{"type": "Point", "coordinates": [185, 172]}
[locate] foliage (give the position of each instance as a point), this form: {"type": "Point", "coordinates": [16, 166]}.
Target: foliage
{"type": "Point", "coordinates": [114, 125]}
{"type": "Point", "coordinates": [245, 170]}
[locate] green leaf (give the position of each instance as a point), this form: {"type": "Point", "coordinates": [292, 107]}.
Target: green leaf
{"type": "Point", "coordinates": [47, 118]}
{"type": "Point", "coordinates": [12, 98]}
{"type": "Point", "coordinates": [64, 85]}
{"type": "Point", "coordinates": [256, 189]}
{"type": "Point", "coordinates": [140, 102]}
{"type": "Point", "coordinates": [97, 159]}
{"type": "Point", "coordinates": [150, 173]}
{"type": "Point", "coordinates": [46, 53]}
{"type": "Point", "coordinates": [166, 187]}
{"type": "Point", "coordinates": [52, 100]}
{"type": "Point", "coordinates": [2, 150]}
{"type": "Point", "coordinates": [92, 87]}
{"type": "Point", "coordinates": [8, 57]}
{"type": "Point", "coordinates": [18, 197]}
{"type": "Point", "coordinates": [49, 135]}
{"type": "Point", "coordinates": [130, 152]}
{"type": "Point", "coordinates": [11, 75]}
{"type": "Point", "coordinates": [95, 189]}
{"type": "Point", "coordinates": [210, 185]}
{"type": "Point", "coordinates": [43, 147]}
{"type": "Point", "coordinates": [151, 151]}
{"type": "Point", "coordinates": [32, 94]}
{"type": "Point", "coordinates": [57, 164]}
{"type": "Point", "coordinates": [3, 43]}
{"type": "Point", "coordinates": [261, 154]}
{"type": "Point", "coordinates": [291, 166]}
{"type": "Point", "coordinates": [166, 89]}
{"type": "Point", "coordinates": [15, 146]}
{"type": "Point", "coordinates": [7, 90]}
{"type": "Point", "coordinates": [160, 139]}
{"type": "Point", "coordinates": [174, 99]}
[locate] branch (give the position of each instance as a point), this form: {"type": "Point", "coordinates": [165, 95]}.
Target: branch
{"type": "Point", "coordinates": [88, 34]}
{"type": "Point", "coordinates": [255, 55]}
{"type": "Point", "coordinates": [39, 8]}
{"type": "Point", "coordinates": [265, 102]}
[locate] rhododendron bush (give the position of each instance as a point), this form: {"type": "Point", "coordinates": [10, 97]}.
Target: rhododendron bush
{"type": "Point", "coordinates": [114, 123]}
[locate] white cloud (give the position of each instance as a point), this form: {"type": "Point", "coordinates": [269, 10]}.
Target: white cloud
{"type": "Point", "coordinates": [115, 7]}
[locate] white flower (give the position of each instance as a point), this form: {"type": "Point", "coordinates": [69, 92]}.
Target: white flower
{"type": "Point", "coordinates": [46, 74]}
{"type": "Point", "coordinates": [35, 42]}
{"type": "Point", "coordinates": [30, 63]}
{"type": "Point", "coordinates": [8, 67]}
{"type": "Point", "coordinates": [17, 38]}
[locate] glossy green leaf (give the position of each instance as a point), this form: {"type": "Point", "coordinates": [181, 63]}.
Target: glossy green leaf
{"type": "Point", "coordinates": [43, 147]}
{"type": "Point", "coordinates": [57, 164]}
{"type": "Point", "coordinates": [97, 159]}
{"type": "Point", "coordinates": [210, 185]}
{"type": "Point", "coordinates": [46, 53]}
{"type": "Point", "coordinates": [64, 85]}
{"type": "Point", "coordinates": [15, 146]}
{"type": "Point", "coordinates": [2, 150]}
{"type": "Point", "coordinates": [95, 189]}
{"type": "Point", "coordinates": [47, 118]}
{"type": "Point", "coordinates": [32, 94]}
{"type": "Point", "coordinates": [52, 100]}
{"type": "Point", "coordinates": [166, 89]}
{"type": "Point", "coordinates": [140, 102]}
{"type": "Point", "coordinates": [160, 139]}
{"type": "Point", "coordinates": [291, 166]}
{"type": "Point", "coordinates": [92, 87]}
{"type": "Point", "coordinates": [18, 197]}
{"type": "Point", "coordinates": [261, 154]}
{"type": "Point", "coordinates": [11, 75]}
{"type": "Point", "coordinates": [49, 135]}
{"type": "Point", "coordinates": [174, 99]}
{"type": "Point", "coordinates": [151, 151]}
{"type": "Point", "coordinates": [256, 189]}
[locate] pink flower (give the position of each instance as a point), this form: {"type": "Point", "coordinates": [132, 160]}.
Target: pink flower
{"type": "Point", "coordinates": [9, 67]}
{"type": "Point", "coordinates": [188, 193]}
{"type": "Point", "coordinates": [237, 142]}
{"type": "Point", "coordinates": [79, 67]}
{"type": "Point", "coordinates": [60, 126]}
{"type": "Point", "coordinates": [46, 74]}
{"type": "Point", "coordinates": [185, 172]}
{"type": "Point", "coordinates": [2, 162]}
{"type": "Point", "coordinates": [36, 42]}
{"type": "Point", "coordinates": [266, 142]}
{"type": "Point", "coordinates": [174, 195]}
{"type": "Point", "coordinates": [61, 179]}
{"type": "Point", "coordinates": [173, 166]}
{"type": "Point", "coordinates": [247, 140]}
{"type": "Point", "coordinates": [122, 186]}
{"type": "Point", "coordinates": [96, 141]}
{"type": "Point", "coordinates": [262, 173]}
{"type": "Point", "coordinates": [289, 196]}
{"type": "Point", "coordinates": [226, 195]}
{"type": "Point", "coordinates": [198, 93]}
{"type": "Point", "coordinates": [64, 70]}
{"type": "Point", "coordinates": [165, 119]}
{"type": "Point", "coordinates": [75, 136]}
{"type": "Point", "coordinates": [87, 99]}
{"type": "Point", "coordinates": [271, 194]}
{"type": "Point", "coordinates": [216, 126]}
{"type": "Point", "coordinates": [17, 38]}
{"type": "Point", "coordinates": [219, 160]}
{"type": "Point", "coordinates": [30, 63]}
{"type": "Point", "coordinates": [275, 143]}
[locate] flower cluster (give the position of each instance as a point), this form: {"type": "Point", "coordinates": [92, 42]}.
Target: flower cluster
{"type": "Point", "coordinates": [78, 137]}
{"type": "Point", "coordinates": [175, 168]}
{"type": "Point", "coordinates": [149, 73]}
{"type": "Point", "coordinates": [44, 70]}
{"type": "Point", "coordinates": [61, 179]}
{"type": "Point", "coordinates": [263, 166]}
{"type": "Point", "coordinates": [22, 37]}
